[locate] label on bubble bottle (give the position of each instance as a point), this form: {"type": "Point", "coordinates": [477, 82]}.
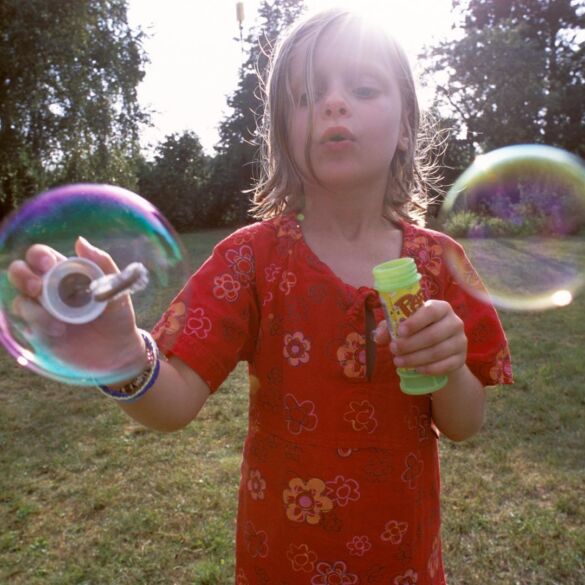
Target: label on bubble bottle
{"type": "Point", "coordinates": [401, 304]}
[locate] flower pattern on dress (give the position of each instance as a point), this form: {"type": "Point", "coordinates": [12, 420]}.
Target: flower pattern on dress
{"type": "Point", "coordinates": [306, 502]}
{"type": "Point", "coordinates": [299, 416]}
{"type": "Point", "coordinates": [301, 558]}
{"type": "Point", "coordinates": [296, 348]}
{"type": "Point", "coordinates": [379, 465]}
{"type": "Point", "coordinates": [256, 485]}
{"type": "Point", "coordinates": [268, 298]}
{"type": "Point", "coordinates": [172, 321]}
{"type": "Point", "coordinates": [287, 227]}
{"type": "Point", "coordinates": [429, 287]}
{"type": "Point", "coordinates": [394, 531]}
{"type": "Point", "coordinates": [342, 490]}
{"type": "Point", "coordinates": [287, 282]}
{"type": "Point", "coordinates": [434, 559]}
{"type": "Point", "coordinates": [419, 422]}
{"type": "Point", "coordinates": [359, 545]}
{"type": "Point", "coordinates": [256, 541]}
{"type": "Point", "coordinates": [361, 415]}
{"type": "Point", "coordinates": [409, 578]}
{"type": "Point", "coordinates": [198, 323]}
{"type": "Point", "coordinates": [271, 272]}
{"type": "Point", "coordinates": [426, 253]}
{"type": "Point", "coordinates": [352, 355]}
{"type": "Point", "coordinates": [463, 272]}
{"type": "Point", "coordinates": [333, 574]}
{"type": "Point", "coordinates": [241, 261]}
{"type": "Point", "coordinates": [414, 469]}
{"type": "Point", "coordinates": [241, 578]}
{"type": "Point", "coordinates": [502, 369]}
{"type": "Point", "coordinates": [226, 287]}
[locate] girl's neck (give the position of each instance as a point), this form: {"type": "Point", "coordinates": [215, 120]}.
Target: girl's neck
{"type": "Point", "coordinates": [349, 216]}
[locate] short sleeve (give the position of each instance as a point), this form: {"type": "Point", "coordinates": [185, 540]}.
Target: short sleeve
{"type": "Point", "coordinates": [488, 355]}
{"type": "Point", "coordinates": [212, 323]}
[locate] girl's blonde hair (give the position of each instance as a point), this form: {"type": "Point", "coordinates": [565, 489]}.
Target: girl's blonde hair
{"type": "Point", "coordinates": [280, 188]}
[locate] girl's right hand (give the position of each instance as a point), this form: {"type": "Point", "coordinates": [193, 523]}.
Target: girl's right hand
{"type": "Point", "coordinates": [109, 343]}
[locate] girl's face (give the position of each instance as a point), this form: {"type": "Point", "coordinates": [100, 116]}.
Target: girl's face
{"type": "Point", "coordinates": [356, 124]}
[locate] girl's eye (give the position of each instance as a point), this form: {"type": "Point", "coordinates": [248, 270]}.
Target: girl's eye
{"type": "Point", "coordinates": [304, 98]}
{"type": "Point", "coordinates": [366, 92]}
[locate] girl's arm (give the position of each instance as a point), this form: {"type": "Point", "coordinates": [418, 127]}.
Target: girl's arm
{"type": "Point", "coordinates": [174, 401]}
{"type": "Point", "coordinates": [433, 341]}
{"type": "Point", "coordinates": [178, 393]}
{"type": "Point", "coordinates": [458, 409]}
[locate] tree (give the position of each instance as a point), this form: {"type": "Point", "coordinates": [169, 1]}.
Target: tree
{"type": "Point", "coordinates": [68, 104]}
{"type": "Point", "coordinates": [237, 151]}
{"type": "Point", "coordinates": [515, 75]}
{"type": "Point", "coordinates": [176, 181]}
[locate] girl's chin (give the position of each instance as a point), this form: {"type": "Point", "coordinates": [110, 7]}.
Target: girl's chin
{"type": "Point", "coordinates": [343, 179]}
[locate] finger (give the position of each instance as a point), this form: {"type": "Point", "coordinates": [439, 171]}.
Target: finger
{"type": "Point", "coordinates": [431, 335]}
{"type": "Point", "coordinates": [381, 334]}
{"type": "Point", "coordinates": [430, 312]}
{"type": "Point", "coordinates": [441, 368]}
{"type": "Point", "coordinates": [86, 250]}
{"type": "Point", "coordinates": [452, 348]}
{"type": "Point", "coordinates": [42, 258]}
{"type": "Point", "coordinates": [37, 318]}
{"type": "Point", "coordinates": [24, 279]}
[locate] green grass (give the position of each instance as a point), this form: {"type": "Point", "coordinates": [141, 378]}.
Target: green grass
{"type": "Point", "coordinates": [521, 269]}
{"type": "Point", "coordinates": [89, 497]}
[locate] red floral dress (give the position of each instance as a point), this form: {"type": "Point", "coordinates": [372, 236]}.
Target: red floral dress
{"type": "Point", "coordinates": [340, 473]}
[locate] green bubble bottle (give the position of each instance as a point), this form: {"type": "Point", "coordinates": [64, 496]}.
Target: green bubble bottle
{"type": "Point", "coordinates": [397, 283]}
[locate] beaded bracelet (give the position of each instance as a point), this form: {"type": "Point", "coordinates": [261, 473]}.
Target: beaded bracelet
{"type": "Point", "coordinates": [138, 387]}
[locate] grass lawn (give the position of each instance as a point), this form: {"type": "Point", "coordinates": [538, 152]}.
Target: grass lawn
{"type": "Point", "coordinates": [89, 497]}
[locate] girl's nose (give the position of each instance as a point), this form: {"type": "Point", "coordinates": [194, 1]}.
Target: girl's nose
{"type": "Point", "coordinates": [335, 110]}
{"type": "Point", "coordinates": [335, 106]}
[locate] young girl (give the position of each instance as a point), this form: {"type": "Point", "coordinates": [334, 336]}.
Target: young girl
{"type": "Point", "coordinates": [340, 473]}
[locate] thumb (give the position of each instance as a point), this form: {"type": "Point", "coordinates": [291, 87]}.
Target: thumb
{"type": "Point", "coordinates": [86, 250]}
{"type": "Point", "coordinates": [380, 334]}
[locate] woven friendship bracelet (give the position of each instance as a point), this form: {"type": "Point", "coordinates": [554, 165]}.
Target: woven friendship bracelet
{"type": "Point", "coordinates": [138, 387]}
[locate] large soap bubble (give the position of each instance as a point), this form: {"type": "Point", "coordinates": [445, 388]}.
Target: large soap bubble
{"type": "Point", "coordinates": [519, 213]}
{"type": "Point", "coordinates": [76, 292]}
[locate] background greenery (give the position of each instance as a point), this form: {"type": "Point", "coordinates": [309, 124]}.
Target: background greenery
{"type": "Point", "coordinates": [88, 497]}
{"type": "Point", "coordinates": [512, 71]}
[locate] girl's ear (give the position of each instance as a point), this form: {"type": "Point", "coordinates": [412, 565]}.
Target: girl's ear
{"type": "Point", "coordinates": [403, 139]}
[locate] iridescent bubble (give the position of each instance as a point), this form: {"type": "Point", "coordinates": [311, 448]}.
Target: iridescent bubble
{"type": "Point", "coordinates": [519, 213]}
{"type": "Point", "coordinates": [60, 334]}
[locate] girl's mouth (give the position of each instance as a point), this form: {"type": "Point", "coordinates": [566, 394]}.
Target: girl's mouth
{"type": "Point", "coordinates": [336, 135]}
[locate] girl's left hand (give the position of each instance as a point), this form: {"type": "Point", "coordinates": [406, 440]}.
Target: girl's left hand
{"type": "Point", "coordinates": [432, 340]}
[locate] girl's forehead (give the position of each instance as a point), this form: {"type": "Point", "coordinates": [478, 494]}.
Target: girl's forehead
{"type": "Point", "coordinates": [348, 47]}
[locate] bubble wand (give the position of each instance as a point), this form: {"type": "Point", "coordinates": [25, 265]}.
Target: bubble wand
{"type": "Point", "coordinates": [77, 291]}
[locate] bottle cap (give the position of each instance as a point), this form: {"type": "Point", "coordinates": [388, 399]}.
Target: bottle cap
{"type": "Point", "coordinates": [411, 382]}
{"type": "Point", "coordinates": [395, 274]}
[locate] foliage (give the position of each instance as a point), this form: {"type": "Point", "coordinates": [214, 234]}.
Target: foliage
{"type": "Point", "coordinates": [515, 74]}
{"type": "Point", "coordinates": [469, 224]}
{"type": "Point", "coordinates": [529, 206]}
{"type": "Point", "coordinates": [177, 181]}
{"type": "Point", "coordinates": [68, 105]}
{"type": "Point", "coordinates": [237, 151]}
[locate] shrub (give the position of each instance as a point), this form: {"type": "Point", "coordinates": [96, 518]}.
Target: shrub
{"type": "Point", "coordinates": [460, 224]}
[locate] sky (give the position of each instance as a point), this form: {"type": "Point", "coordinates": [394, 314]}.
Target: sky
{"type": "Point", "coordinates": [195, 54]}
